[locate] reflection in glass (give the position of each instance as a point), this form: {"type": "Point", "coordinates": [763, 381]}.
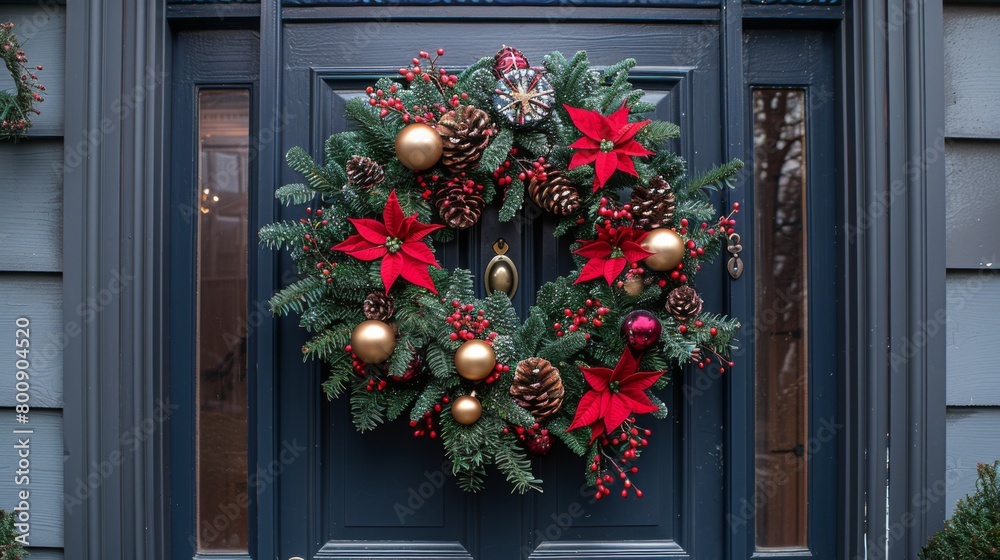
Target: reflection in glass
{"type": "Point", "coordinates": [223, 168]}
{"type": "Point", "coordinates": [781, 359]}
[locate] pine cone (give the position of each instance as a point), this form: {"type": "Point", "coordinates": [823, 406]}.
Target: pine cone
{"type": "Point", "coordinates": [459, 206]}
{"type": "Point", "coordinates": [378, 306]}
{"type": "Point", "coordinates": [654, 206]}
{"type": "Point", "coordinates": [466, 135]}
{"type": "Point", "coordinates": [554, 192]}
{"type": "Point", "coordinates": [364, 172]}
{"type": "Point", "coordinates": [684, 303]}
{"type": "Point", "coordinates": [537, 387]}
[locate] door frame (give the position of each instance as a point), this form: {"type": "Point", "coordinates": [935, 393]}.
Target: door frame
{"type": "Point", "coordinates": [116, 210]}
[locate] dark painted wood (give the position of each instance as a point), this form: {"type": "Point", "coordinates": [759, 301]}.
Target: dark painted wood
{"type": "Point", "coordinates": [41, 30]}
{"type": "Point", "coordinates": [973, 438]}
{"type": "Point", "coordinates": [552, 15]}
{"type": "Point", "coordinates": [973, 236]}
{"type": "Point", "coordinates": [45, 472]}
{"type": "Point", "coordinates": [374, 4]}
{"type": "Point", "coordinates": [973, 300]}
{"type": "Point", "coordinates": [971, 74]}
{"type": "Point", "coordinates": [32, 212]}
{"type": "Point", "coordinates": [115, 49]}
{"type": "Point", "coordinates": [38, 298]}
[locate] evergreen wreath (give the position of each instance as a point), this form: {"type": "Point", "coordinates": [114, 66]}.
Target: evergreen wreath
{"type": "Point", "coordinates": [17, 105]}
{"type": "Point", "coordinates": [406, 338]}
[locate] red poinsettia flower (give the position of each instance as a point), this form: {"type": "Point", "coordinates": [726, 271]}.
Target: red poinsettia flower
{"type": "Point", "coordinates": [610, 253]}
{"type": "Point", "coordinates": [397, 241]}
{"type": "Point", "coordinates": [608, 142]}
{"type": "Point", "coordinates": [614, 396]}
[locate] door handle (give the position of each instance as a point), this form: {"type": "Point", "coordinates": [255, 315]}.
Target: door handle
{"type": "Point", "coordinates": [296, 558]}
{"type": "Point", "coordinates": [501, 274]}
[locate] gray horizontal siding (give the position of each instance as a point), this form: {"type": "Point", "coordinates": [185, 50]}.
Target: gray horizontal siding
{"type": "Point", "coordinates": [973, 437]}
{"type": "Point", "coordinates": [31, 211]}
{"type": "Point", "coordinates": [972, 203]}
{"type": "Point", "coordinates": [46, 473]}
{"type": "Point", "coordinates": [972, 71]}
{"type": "Point", "coordinates": [41, 29]}
{"type": "Point", "coordinates": [973, 305]}
{"type": "Point", "coordinates": [37, 297]}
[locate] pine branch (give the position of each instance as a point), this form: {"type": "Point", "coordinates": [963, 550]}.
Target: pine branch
{"type": "Point", "coordinates": [295, 193]}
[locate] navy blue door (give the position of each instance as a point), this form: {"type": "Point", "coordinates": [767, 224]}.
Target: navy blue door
{"type": "Point", "coordinates": [385, 494]}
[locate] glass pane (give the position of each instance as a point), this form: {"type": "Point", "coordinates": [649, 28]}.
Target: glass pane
{"type": "Point", "coordinates": [223, 168]}
{"type": "Point", "coordinates": [781, 364]}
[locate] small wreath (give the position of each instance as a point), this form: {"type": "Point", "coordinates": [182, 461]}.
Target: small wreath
{"type": "Point", "coordinates": [17, 105]}
{"type": "Point", "coordinates": [405, 337]}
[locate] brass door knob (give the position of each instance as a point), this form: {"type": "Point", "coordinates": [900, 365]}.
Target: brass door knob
{"type": "Point", "coordinates": [501, 274]}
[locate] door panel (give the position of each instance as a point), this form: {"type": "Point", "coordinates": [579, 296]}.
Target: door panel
{"type": "Point", "coordinates": [348, 494]}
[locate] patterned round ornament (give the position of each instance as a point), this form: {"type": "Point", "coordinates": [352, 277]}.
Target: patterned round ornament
{"type": "Point", "coordinates": [507, 59]}
{"type": "Point", "coordinates": [524, 97]}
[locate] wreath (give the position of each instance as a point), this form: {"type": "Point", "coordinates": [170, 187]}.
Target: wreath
{"type": "Point", "coordinates": [405, 337]}
{"type": "Point", "coordinates": [17, 104]}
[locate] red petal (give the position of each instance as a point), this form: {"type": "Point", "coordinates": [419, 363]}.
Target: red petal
{"type": "Point", "coordinates": [626, 165]}
{"type": "Point", "coordinates": [596, 429]}
{"type": "Point", "coordinates": [587, 411]}
{"type": "Point", "coordinates": [393, 216]}
{"type": "Point", "coordinates": [618, 411]}
{"type": "Point", "coordinates": [370, 254]}
{"type": "Point", "coordinates": [597, 377]}
{"type": "Point", "coordinates": [634, 252]}
{"type": "Point", "coordinates": [605, 167]}
{"type": "Point", "coordinates": [417, 275]}
{"type": "Point", "coordinates": [632, 148]}
{"type": "Point", "coordinates": [391, 266]}
{"type": "Point", "coordinates": [586, 143]}
{"type": "Point", "coordinates": [372, 230]}
{"type": "Point", "coordinates": [352, 243]}
{"type": "Point", "coordinates": [619, 118]}
{"type": "Point", "coordinates": [583, 157]}
{"type": "Point", "coordinates": [627, 132]}
{"type": "Point", "coordinates": [419, 251]}
{"type": "Point", "coordinates": [640, 380]}
{"type": "Point", "coordinates": [612, 268]}
{"type": "Point", "coordinates": [591, 123]}
{"type": "Point", "coordinates": [418, 231]}
{"type": "Point", "coordinates": [641, 406]}
{"type": "Point", "coordinates": [594, 250]}
{"type": "Point", "coordinates": [593, 269]}
{"type": "Point", "coordinates": [626, 365]}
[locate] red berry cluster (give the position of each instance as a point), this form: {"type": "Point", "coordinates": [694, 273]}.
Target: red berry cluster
{"type": "Point", "coordinates": [498, 371]}
{"type": "Point", "coordinates": [439, 75]}
{"type": "Point", "coordinates": [536, 438]}
{"type": "Point", "coordinates": [728, 223]}
{"type": "Point", "coordinates": [590, 315]}
{"type": "Point", "coordinates": [703, 362]}
{"type": "Point", "coordinates": [503, 173]}
{"type": "Point", "coordinates": [610, 211]}
{"type": "Point", "coordinates": [427, 429]}
{"type": "Point", "coordinates": [615, 459]}
{"type": "Point", "coordinates": [462, 181]}
{"type": "Point", "coordinates": [311, 241]}
{"type": "Point", "coordinates": [468, 323]}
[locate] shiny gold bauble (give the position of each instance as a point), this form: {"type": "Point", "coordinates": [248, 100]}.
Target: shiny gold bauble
{"type": "Point", "coordinates": [466, 410]}
{"type": "Point", "coordinates": [634, 286]}
{"type": "Point", "coordinates": [418, 146]}
{"type": "Point", "coordinates": [373, 341]}
{"type": "Point", "coordinates": [667, 248]}
{"type": "Point", "coordinates": [475, 360]}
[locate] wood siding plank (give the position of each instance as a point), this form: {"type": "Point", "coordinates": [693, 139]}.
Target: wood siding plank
{"type": "Point", "coordinates": [973, 438]}
{"type": "Point", "coordinates": [31, 210]}
{"type": "Point", "coordinates": [972, 202]}
{"type": "Point", "coordinates": [972, 71]}
{"type": "Point", "coordinates": [37, 297]}
{"type": "Point", "coordinates": [41, 30]}
{"type": "Point", "coordinates": [45, 479]}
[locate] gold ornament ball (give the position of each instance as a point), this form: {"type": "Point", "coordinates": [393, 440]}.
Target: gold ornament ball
{"type": "Point", "coordinates": [373, 341]}
{"type": "Point", "coordinates": [667, 248]}
{"type": "Point", "coordinates": [418, 146]}
{"type": "Point", "coordinates": [466, 410]}
{"type": "Point", "coordinates": [475, 360]}
{"type": "Point", "coordinates": [634, 286]}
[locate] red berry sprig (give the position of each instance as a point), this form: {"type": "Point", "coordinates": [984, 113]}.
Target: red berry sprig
{"type": "Point", "coordinates": [588, 317]}
{"type": "Point", "coordinates": [468, 323]}
{"type": "Point", "coordinates": [438, 75]}
{"type": "Point", "coordinates": [616, 457]}
{"type": "Point", "coordinates": [426, 425]}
